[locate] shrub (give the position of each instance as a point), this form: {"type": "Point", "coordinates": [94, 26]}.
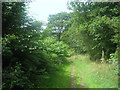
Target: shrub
{"type": "Point", "coordinates": [25, 59]}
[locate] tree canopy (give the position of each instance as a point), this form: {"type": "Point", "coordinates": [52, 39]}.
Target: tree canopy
{"type": "Point", "coordinates": [58, 23]}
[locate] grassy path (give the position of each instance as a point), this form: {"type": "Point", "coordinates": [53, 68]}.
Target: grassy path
{"type": "Point", "coordinates": [80, 72]}
{"type": "Point", "coordinates": [90, 74]}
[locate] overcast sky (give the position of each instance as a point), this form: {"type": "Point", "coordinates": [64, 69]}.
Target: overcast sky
{"type": "Point", "coordinates": [41, 9]}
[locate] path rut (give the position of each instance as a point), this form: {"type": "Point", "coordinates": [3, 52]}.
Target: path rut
{"type": "Point", "coordinates": [73, 81]}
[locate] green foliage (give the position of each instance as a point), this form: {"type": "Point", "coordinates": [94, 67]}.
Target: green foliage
{"type": "Point", "coordinates": [113, 58]}
{"type": "Point", "coordinates": [27, 52]}
{"type": "Point", "coordinates": [58, 23]}
{"type": "Point", "coordinates": [13, 21]}
{"type": "Point", "coordinates": [15, 77]}
{"type": "Point", "coordinates": [37, 57]}
{"type": "Point", "coordinates": [114, 61]}
{"type": "Point", "coordinates": [94, 28]}
{"type": "Point", "coordinates": [56, 49]}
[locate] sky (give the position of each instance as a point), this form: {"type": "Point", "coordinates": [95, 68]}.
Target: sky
{"type": "Point", "coordinates": [41, 9]}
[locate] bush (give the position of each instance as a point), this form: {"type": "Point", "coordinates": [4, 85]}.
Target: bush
{"type": "Point", "coordinates": [25, 59]}
{"type": "Point", "coordinates": [14, 77]}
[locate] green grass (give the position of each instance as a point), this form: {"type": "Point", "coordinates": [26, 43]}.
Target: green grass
{"type": "Point", "coordinates": [94, 75]}
{"type": "Point", "coordinates": [88, 73]}
{"type": "Point", "coordinates": [57, 79]}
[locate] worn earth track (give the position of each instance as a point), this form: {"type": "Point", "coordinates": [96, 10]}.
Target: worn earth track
{"type": "Point", "coordinates": [73, 77]}
{"type": "Point", "coordinates": [73, 81]}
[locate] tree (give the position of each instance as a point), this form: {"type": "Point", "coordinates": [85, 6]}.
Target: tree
{"type": "Point", "coordinates": [94, 23]}
{"type": "Point", "coordinates": [10, 12]}
{"type": "Point", "coordinates": [26, 52]}
{"type": "Point", "coordinates": [20, 36]}
{"type": "Point", "coordinates": [58, 23]}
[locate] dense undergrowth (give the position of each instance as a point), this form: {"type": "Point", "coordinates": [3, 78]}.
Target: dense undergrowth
{"type": "Point", "coordinates": [24, 63]}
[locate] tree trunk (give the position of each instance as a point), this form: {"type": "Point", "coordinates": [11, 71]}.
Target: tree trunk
{"type": "Point", "coordinates": [103, 56]}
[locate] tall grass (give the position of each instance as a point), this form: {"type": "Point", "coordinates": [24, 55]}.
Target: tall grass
{"type": "Point", "coordinates": [94, 75]}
